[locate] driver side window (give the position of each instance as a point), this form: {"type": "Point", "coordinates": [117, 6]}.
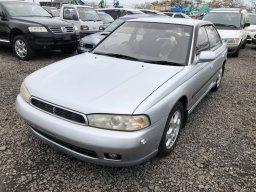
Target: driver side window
{"type": "Point", "coordinates": [69, 13]}
{"type": "Point", "coordinates": [202, 41]}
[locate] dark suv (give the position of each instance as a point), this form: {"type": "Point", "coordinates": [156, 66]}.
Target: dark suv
{"type": "Point", "coordinates": [27, 27]}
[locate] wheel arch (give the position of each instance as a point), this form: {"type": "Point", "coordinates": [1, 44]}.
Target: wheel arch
{"type": "Point", "coordinates": [184, 102]}
{"type": "Point", "coordinates": [14, 33]}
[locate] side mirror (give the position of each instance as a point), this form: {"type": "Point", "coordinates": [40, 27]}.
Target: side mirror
{"type": "Point", "coordinates": [75, 17]}
{"type": "Point", "coordinates": [206, 56]}
{"type": "Point", "coordinates": [247, 25]}
{"type": "Point", "coordinates": [2, 15]}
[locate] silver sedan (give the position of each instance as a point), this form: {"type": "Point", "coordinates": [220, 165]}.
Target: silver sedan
{"type": "Point", "coordinates": [126, 101]}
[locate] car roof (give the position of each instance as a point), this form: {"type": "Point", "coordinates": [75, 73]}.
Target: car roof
{"type": "Point", "coordinates": [127, 9]}
{"type": "Point", "coordinates": [168, 20]}
{"type": "Point", "coordinates": [135, 16]}
{"type": "Point", "coordinates": [234, 10]}
{"type": "Point", "coordinates": [70, 5]}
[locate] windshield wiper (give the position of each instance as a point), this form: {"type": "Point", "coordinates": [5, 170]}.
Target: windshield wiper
{"type": "Point", "coordinates": [224, 25]}
{"type": "Point", "coordinates": [118, 56]}
{"type": "Point", "coordinates": [161, 62]}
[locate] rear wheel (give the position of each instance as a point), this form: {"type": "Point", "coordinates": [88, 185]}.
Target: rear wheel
{"type": "Point", "coordinates": [219, 79]}
{"type": "Point", "coordinates": [21, 48]}
{"type": "Point", "coordinates": [243, 46]}
{"type": "Point", "coordinates": [236, 54]}
{"type": "Point", "coordinates": [173, 125]}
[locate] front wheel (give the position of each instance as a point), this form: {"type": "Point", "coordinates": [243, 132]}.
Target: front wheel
{"type": "Point", "coordinates": [21, 48]}
{"type": "Point", "coordinates": [173, 125]}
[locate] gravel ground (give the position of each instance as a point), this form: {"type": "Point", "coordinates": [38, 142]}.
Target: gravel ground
{"type": "Point", "coordinates": [216, 150]}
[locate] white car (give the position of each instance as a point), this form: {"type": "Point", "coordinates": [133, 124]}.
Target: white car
{"type": "Point", "coordinates": [177, 15]}
{"type": "Point", "coordinates": [84, 18]}
{"type": "Point", "coordinates": [252, 28]}
{"type": "Point", "coordinates": [231, 24]}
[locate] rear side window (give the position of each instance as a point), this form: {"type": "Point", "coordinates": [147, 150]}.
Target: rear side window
{"type": "Point", "coordinates": [202, 40]}
{"type": "Point", "coordinates": [213, 37]}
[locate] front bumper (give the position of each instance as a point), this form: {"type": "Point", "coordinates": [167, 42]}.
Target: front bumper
{"type": "Point", "coordinates": [50, 41]}
{"type": "Point", "coordinates": [83, 49]}
{"type": "Point", "coordinates": [62, 134]}
{"type": "Point", "coordinates": [232, 48]}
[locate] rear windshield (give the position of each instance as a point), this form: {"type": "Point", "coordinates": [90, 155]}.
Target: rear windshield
{"type": "Point", "coordinates": [224, 19]}
{"type": "Point", "coordinates": [20, 9]}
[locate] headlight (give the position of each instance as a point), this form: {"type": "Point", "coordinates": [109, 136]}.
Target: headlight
{"type": "Point", "coordinates": [37, 29]}
{"type": "Point", "coordinates": [101, 28]}
{"type": "Point", "coordinates": [232, 40]}
{"type": "Point", "coordinates": [24, 92]}
{"type": "Point", "coordinates": [119, 122]}
{"type": "Point", "coordinates": [81, 43]}
{"type": "Point", "coordinates": [84, 27]}
{"type": "Point", "coordinates": [75, 28]}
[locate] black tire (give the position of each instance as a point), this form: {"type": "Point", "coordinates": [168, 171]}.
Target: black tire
{"type": "Point", "coordinates": [236, 54]}
{"type": "Point", "coordinates": [243, 46]}
{"type": "Point", "coordinates": [219, 79]}
{"type": "Point", "coordinates": [22, 48]}
{"type": "Point", "coordinates": [164, 149]}
{"type": "Point", "coordinates": [69, 50]}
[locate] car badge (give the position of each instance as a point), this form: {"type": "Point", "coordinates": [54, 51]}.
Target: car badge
{"type": "Point", "coordinates": [63, 29]}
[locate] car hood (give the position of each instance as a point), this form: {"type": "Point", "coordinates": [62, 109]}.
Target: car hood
{"type": "Point", "coordinates": [94, 39]}
{"type": "Point", "coordinates": [91, 83]}
{"type": "Point", "coordinates": [230, 33]}
{"type": "Point", "coordinates": [46, 21]}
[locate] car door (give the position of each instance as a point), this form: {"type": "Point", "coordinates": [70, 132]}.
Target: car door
{"type": "Point", "coordinates": [218, 48]}
{"type": "Point", "coordinates": [3, 28]}
{"type": "Point", "coordinates": [200, 71]}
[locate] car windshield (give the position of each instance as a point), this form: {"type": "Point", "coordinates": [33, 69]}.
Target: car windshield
{"type": "Point", "coordinates": [106, 18]}
{"type": "Point", "coordinates": [55, 12]}
{"type": "Point", "coordinates": [157, 43]}
{"type": "Point", "coordinates": [88, 14]}
{"type": "Point", "coordinates": [20, 9]}
{"type": "Point", "coordinates": [252, 19]}
{"type": "Point", "coordinates": [115, 24]}
{"type": "Point", "coordinates": [224, 19]}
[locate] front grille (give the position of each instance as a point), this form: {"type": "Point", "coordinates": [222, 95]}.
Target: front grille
{"type": "Point", "coordinates": [57, 111]}
{"type": "Point", "coordinates": [62, 29]}
{"type": "Point", "coordinates": [80, 150]}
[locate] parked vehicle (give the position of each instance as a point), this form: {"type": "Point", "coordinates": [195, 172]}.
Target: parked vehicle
{"type": "Point", "coordinates": [127, 100]}
{"type": "Point", "coordinates": [89, 42]}
{"type": "Point", "coordinates": [177, 15]}
{"type": "Point", "coordinates": [231, 24]}
{"type": "Point", "coordinates": [106, 18]}
{"type": "Point", "coordinates": [53, 11]}
{"type": "Point", "coordinates": [27, 27]}
{"type": "Point", "coordinates": [119, 12]}
{"type": "Point", "coordinates": [85, 18]}
{"type": "Point", "coordinates": [252, 28]}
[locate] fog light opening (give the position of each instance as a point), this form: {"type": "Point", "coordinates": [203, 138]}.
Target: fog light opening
{"type": "Point", "coordinates": [112, 156]}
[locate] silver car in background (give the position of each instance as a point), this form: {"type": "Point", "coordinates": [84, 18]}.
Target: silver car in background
{"type": "Point", "coordinates": [126, 101]}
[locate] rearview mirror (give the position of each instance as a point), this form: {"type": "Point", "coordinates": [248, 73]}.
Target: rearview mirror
{"type": "Point", "coordinates": [205, 56]}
